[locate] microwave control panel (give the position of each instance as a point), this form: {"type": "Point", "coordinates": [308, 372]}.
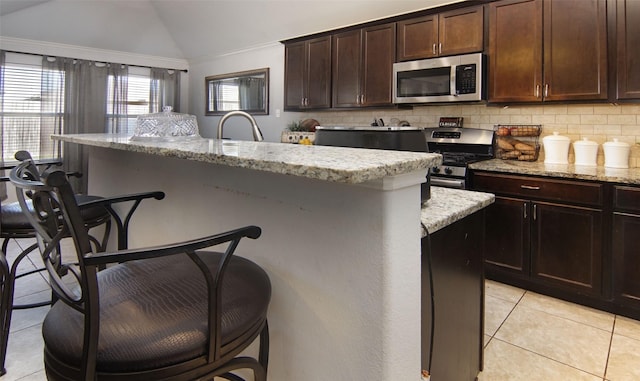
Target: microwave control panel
{"type": "Point", "coordinates": [466, 79]}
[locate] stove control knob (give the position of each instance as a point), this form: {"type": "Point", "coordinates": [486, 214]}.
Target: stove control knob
{"type": "Point", "coordinates": [448, 171]}
{"type": "Point", "coordinates": [435, 170]}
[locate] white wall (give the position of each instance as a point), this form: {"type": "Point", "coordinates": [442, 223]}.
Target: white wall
{"type": "Point", "coordinates": [268, 56]}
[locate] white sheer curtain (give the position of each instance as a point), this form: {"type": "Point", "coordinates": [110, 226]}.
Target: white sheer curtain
{"type": "Point", "coordinates": [3, 186]}
{"type": "Point", "coordinates": [86, 107]}
{"type": "Point", "coordinates": [164, 89]}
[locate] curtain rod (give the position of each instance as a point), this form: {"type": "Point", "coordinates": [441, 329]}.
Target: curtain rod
{"type": "Point", "coordinates": [48, 55]}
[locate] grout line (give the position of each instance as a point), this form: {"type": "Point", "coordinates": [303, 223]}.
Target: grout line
{"type": "Point", "coordinates": [606, 364]}
{"type": "Point", "coordinates": [549, 358]}
{"type": "Point", "coordinates": [507, 317]}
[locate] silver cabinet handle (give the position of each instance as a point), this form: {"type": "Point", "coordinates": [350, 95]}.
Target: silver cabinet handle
{"type": "Point", "coordinates": [535, 211]}
{"type": "Point", "coordinates": [537, 91]}
{"type": "Point", "coordinates": [433, 49]}
{"type": "Point", "coordinates": [530, 187]}
{"type": "Point", "coordinates": [524, 211]}
{"type": "Point", "coordinates": [440, 48]}
{"type": "Point", "coordinates": [546, 90]}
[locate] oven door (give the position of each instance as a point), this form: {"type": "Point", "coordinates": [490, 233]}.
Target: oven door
{"type": "Point", "coordinates": [448, 182]}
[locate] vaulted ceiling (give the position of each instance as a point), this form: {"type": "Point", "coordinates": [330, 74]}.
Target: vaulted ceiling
{"type": "Point", "coordinates": [193, 30]}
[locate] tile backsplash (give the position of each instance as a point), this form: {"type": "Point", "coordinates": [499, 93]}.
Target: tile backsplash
{"type": "Point", "coordinates": [597, 122]}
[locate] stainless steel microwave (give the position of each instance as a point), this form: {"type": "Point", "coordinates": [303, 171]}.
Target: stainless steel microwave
{"type": "Point", "coordinates": [446, 79]}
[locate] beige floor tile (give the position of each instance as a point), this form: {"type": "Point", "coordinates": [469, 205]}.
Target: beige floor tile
{"type": "Point", "coordinates": [506, 362]}
{"type": "Point", "coordinates": [29, 284]}
{"type": "Point", "coordinates": [567, 310]}
{"type": "Point", "coordinates": [624, 359]}
{"type": "Point", "coordinates": [503, 291]}
{"type": "Point", "coordinates": [24, 355]}
{"type": "Point", "coordinates": [495, 312]}
{"type": "Point", "coordinates": [627, 327]}
{"type": "Point", "coordinates": [566, 341]}
{"type": "Point", "coordinates": [487, 338]}
{"type": "Point", "coordinates": [21, 319]}
{"type": "Point", "coordinates": [38, 376]}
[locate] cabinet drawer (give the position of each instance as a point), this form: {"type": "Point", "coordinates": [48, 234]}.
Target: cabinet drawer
{"type": "Point", "coordinates": [573, 192]}
{"type": "Point", "coordinates": [626, 199]}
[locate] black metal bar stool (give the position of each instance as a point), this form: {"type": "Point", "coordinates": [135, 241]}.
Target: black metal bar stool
{"type": "Point", "coordinates": [96, 211]}
{"type": "Point", "coordinates": [172, 312]}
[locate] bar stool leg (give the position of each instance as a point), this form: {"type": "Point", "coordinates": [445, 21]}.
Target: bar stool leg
{"type": "Point", "coordinates": [5, 310]}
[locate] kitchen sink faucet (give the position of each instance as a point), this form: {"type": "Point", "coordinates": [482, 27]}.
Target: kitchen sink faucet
{"type": "Point", "coordinates": [257, 134]}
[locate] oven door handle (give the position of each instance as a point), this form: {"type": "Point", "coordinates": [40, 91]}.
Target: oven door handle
{"type": "Point", "coordinates": [448, 183]}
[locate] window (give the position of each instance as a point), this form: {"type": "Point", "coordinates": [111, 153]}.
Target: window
{"type": "Point", "coordinates": [23, 111]}
{"type": "Point", "coordinates": [137, 100]}
{"type": "Point", "coordinates": [31, 113]}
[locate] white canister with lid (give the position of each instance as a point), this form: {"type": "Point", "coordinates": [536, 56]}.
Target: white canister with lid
{"type": "Point", "coordinates": [556, 149]}
{"type": "Point", "coordinates": [616, 154]}
{"type": "Point", "coordinates": [586, 152]}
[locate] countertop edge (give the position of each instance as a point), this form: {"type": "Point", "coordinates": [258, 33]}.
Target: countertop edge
{"type": "Point", "coordinates": [562, 171]}
{"type": "Point", "coordinates": [447, 206]}
{"type": "Point", "coordinates": [314, 162]}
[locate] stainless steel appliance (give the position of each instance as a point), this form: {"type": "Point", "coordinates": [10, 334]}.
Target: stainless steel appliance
{"type": "Point", "coordinates": [459, 147]}
{"type": "Point", "coordinates": [388, 138]}
{"type": "Point", "coordinates": [445, 79]}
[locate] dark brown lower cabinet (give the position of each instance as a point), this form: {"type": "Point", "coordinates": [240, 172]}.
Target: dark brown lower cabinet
{"type": "Point", "coordinates": [544, 231]}
{"type": "Point", "coordinates": [458, 289]}
{"type": "Point", "coordinates": [571, 239]}
{"type": "Point", "coordinates": [625, 245]}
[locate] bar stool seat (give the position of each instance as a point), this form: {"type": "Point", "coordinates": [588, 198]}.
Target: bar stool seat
{"type": "Point", "coordinates": [14, 223]}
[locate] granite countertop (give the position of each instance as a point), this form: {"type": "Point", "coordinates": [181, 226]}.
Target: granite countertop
{"type": "Point", "coordinates": [447, 206]}
{"type": "Point", "coordinates": [335, 164]}
{"type": "Point", "coordinates": [569, 171]}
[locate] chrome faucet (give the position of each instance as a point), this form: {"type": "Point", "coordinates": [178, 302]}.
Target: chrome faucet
{"type": "Point", "coordinates": [257, 134]}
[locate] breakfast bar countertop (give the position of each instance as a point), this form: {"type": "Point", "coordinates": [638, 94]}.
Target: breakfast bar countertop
{"type": "Point", "coordinates": [567, 171]}
{"type": "Point", "coordinates": [334, 164]}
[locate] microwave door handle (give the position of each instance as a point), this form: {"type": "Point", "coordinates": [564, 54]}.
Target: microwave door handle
{"type": "Point", "coordinates": [453, 90]}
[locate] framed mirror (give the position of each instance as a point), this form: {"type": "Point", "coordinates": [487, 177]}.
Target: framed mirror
{"type": "Point", "coordinates": [245, 91]}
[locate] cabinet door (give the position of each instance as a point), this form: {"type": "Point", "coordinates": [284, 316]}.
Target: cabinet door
{"type": "Point", "coordinates": [461, 31]}
{"type": "Point", "coordinates": [566, 247]}
{"type": "Point", "coordinates": [294, 75]}
{"type": "Point", "coordinates": [507, 236]}
{"type": "Point", "coordinates": [318, 68]}
{"type": "Point", "coordinates": [515, 51]}
{"type": "Point", "coordinates": [628, 45]}
{"type": "Point", "coordinates": [458, 291]}
{"type": "Point", "coordinates": [575, 50]}
{"type": "Point", "coordinates": [626, 259]}
{"type": "Point", "coordinates": [347, 57]}
{"type": "Point", "coordinates": [417, 38]}
{"type": "Point", "coordinates": [379, 52]}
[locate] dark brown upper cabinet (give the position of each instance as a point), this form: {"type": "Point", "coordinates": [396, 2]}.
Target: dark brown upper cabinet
{"type": "Point", "coordinates": [307, 79]}
{"type": "Point", "coordinates": [547, 50]}
{"type": "Point", "coordinates": [628, 46]}
{"type": "Point", "coordinates": [447, 33]}
{"type": "Point", "coordinates": [362, 66]}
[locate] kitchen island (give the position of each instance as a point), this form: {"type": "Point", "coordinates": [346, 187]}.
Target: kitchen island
{"type": "Point", "coordinates": [341, 239]}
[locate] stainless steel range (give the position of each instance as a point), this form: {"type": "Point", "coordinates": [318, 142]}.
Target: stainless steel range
{"type": "Point", "coordinates": [459, 147]}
